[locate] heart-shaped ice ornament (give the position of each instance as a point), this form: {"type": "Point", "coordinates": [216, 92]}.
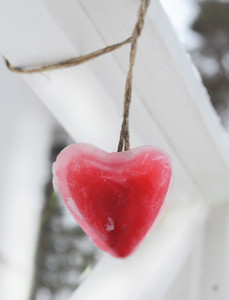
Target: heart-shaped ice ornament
{"type": "Point", "coordinates": [115, 197]}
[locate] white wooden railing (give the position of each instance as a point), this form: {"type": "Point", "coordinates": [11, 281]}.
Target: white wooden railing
{"type": "Point", "coordinates": [170, 109]}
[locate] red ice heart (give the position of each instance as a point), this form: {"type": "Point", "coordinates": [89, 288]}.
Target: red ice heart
{"type": "Point", "coordinates": [114, 197]}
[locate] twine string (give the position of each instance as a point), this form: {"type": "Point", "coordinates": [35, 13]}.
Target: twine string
{"type": "Point", "coordinates": [72, 62]}
{"type": "Point", "coordinates": [124, 140]}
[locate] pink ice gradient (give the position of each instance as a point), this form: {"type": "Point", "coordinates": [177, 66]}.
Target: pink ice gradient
{"type": "Point", "coordinates": [115, 197]}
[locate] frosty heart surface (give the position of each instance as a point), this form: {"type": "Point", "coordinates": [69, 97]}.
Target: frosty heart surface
{"type": "Point", "coordinates": [115, 197]}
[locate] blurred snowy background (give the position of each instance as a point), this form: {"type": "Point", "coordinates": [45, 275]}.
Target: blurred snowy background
{"type": "Point", "coordinates": [40, 242]}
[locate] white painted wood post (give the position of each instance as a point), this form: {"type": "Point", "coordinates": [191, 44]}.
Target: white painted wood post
{"type": "Point", "coordinates": [25, 133]}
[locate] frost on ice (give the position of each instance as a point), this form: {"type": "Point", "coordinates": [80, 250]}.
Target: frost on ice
{"type": "Point", "coordinates": [73, 207]}
{"type": "Point", "coordinates": [110, 225]}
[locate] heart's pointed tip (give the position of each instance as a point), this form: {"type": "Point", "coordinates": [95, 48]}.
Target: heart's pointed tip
{"type": "Point", "coordinates": [119, 254]}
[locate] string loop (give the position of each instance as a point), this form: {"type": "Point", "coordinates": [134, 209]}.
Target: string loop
{"type": "Point", "coordinates": [124, 140]}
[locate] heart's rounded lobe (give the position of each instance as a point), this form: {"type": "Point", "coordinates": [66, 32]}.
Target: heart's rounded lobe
{"type": "Point", "coordinates": [115, 197]}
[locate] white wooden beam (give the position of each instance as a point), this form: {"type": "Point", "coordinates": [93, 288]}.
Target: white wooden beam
{"type": "Point", "coordinates": [170, 108]}
{"type": "Point", "coordinates": [166, 84]}
{"type": "Point", "coordinates": [87, 100]}
{"type": "Point", "coordinates": [216, 254]}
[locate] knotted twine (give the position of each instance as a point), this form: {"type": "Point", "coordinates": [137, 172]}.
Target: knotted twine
{"type": "Point", "coordinates": [124, 140]}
